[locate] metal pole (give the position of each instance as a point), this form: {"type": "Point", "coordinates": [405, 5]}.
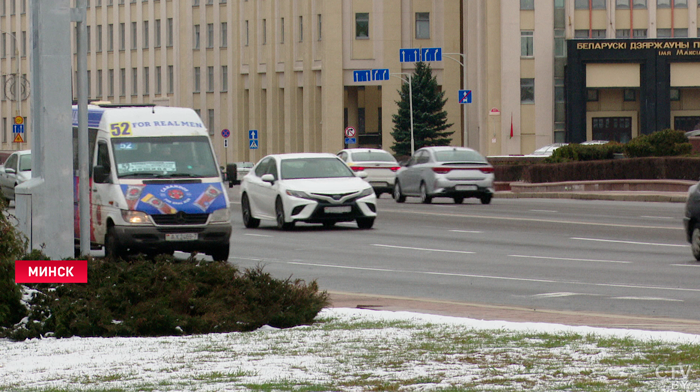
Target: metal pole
{"type": "Point", "coordinates": [410, 93]}
{"type": "Point", "coordinates": [463, 63]}
{"type": "Point", "coordinates": [83, 153]}
{"type": "Point", "coordinates": [16, 87]}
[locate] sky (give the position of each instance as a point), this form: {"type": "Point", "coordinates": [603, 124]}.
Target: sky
{"type": "Point", "coordinates": [318, 354]}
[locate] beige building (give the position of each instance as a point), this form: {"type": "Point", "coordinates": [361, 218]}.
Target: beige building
{"type": "Point", "coordinates": [286, 67]}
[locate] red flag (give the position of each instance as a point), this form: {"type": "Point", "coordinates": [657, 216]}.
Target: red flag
{"type": "Point", "coordinates": [511, 125]}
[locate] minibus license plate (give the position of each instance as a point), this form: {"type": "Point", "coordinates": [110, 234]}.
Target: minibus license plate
{"type": "Point", "coordinates": [337, 210]}
{"type": "Point", "coordinates": [181, 236]}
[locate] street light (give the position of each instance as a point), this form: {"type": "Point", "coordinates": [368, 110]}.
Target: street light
{"type": "Point", "coordinates": [410, 102]}
{"type": "Point", "coordinates": [464, 84]}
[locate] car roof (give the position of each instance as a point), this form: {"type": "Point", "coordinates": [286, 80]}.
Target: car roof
{"type": "Point", "coordinates": [364, 149]}
{"type": "Point", "coordinates": [447, 148]}
{"type": "Point", "coordinates": [299, 155]}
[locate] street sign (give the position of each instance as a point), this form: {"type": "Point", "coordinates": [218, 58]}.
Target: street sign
{"type": "Point", "coordinates": [380, 74]}
{"type": "Point", "coordinates": [17, 128]}
{"type": "Point", "coordinates": [225, 143]}
{"type": "Point", "coordinates": [465, 96]}
{"type": "Point", "coordinates": [350, 132]}
{"type": "Point", "coordinates": [18, 138]}
{"type": "Point", "coordinates": [253, 134]}
{"type": "Point", "coordinates": [409, 55]}
{"type": "Point", "coordinates": [19, 120]}
{"type": "Point", "coordinates": [253, 144]}
{"type": "Point", "coordinates": [225, 133]}
{"type": "Point", "coordinates": [431, 54]}
{"type": "Point", "coordinates": [362, 76]}
{"type": "Point", "coordinates": [350, 140]}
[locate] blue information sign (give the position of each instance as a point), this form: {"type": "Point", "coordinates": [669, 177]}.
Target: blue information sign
{"type": "Point", "coordinates": [362, 76]}
{"type": "Point", "coordinates": [350, 140]}
{"type": "Point", "coordinates": [409, 55]}
{"type": "Point", "coordinates": [253, 134]}
{"type": "Point", "coordinates": [380, 74]}
{"type": "Point", "coordinates": [17, 128]}
{"type": "Point", "coordinates": [465, 96]}
{"type": "Point", "coordinates": [253, 144]}
{"type": "Point", "coordinates": [431, 54]}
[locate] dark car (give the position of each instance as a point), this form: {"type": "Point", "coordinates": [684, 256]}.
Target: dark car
{"type": "Point", "coordinates": [691, 220]}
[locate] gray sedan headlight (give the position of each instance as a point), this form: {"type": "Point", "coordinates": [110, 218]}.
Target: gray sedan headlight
{"type": "Point", "coordinates": [366, 192]}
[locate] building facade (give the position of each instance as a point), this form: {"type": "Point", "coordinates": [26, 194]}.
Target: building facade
{"type": "Point", "coordinates": [285, 68]}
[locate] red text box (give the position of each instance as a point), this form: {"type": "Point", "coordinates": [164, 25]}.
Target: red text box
{"type": "Point", "coordinates": [43, 271]}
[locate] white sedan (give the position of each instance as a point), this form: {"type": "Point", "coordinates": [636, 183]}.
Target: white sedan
{"type": "Point", "coordinates": [306, 187]}
{"type": "Point", "coordinates": [16, 170]}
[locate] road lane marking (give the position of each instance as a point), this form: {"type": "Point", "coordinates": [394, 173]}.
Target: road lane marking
{"type": "Point", "coordinates": [424, 249]}
{"type": "Point", "coordinates": [467, 231]}
{"type": "Point", "coordinates": [686, 265]}
{"type": "Point", "coordinates": [649, 299]}
{"type": "Point", "coordinates": [626, 242]}
{"type": "Point", "coordinates": [560, 295]}
{"type": "Point", "coordinates": [570, 259]}
{"type": "Point", "coordinates": [490, 277]}
{"type": "Point", "coordinates": [548, 211]}
{"type": "Point", "coordinates": [258, 235]}
{"type": "Point", "coordinates": [658, 217]}
{"type": "Point", "coordinates": [539, 220]}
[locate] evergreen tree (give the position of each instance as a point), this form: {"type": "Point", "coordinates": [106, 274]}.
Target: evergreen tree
{"type": "Point", "coordinates": [429, 119]}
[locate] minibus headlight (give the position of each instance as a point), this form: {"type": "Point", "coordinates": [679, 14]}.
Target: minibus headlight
{"type": "Point", "coordinates": [136, 217]}
{"type": "Point", "coordinates": [221, 215]}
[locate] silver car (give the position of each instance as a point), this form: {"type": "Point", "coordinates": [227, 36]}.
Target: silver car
{"type": "Point", "coordinates": [380, 166]}
{"type": "Point", "coordinates": [455, 172]}
{"type": "Point", "coordinates": [16, 170]}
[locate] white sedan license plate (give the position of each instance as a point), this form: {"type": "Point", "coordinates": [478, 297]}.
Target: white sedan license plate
{"type": "Point", "coordinates": [181, 236]}
{"type": "Point", "coordinates": [337, 210]}
{"type": "Point", "coordinates": [465, 187]}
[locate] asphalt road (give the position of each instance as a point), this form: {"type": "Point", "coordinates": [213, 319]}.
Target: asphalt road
{"type": "Point", "coordinates": [613, 257]}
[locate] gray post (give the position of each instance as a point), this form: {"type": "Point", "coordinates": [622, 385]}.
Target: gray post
{"type": "Point", "coordinates": [45, 203]}
{"type": "Point", "coordinates": [79, 15]}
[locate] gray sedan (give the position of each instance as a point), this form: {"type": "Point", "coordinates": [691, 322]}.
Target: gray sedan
{"type": "Point", "coordinates": [454, 172]}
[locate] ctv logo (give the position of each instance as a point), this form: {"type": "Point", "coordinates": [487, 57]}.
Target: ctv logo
{"type": "Point", "coordinates": [68, 271]}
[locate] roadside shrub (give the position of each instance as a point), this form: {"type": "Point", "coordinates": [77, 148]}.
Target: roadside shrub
{"type": "Point", "coordinates": [667, 142]}
{"type": "Point", "coordinates": [168, 297]}
{"type": "Point", "coordinates": [13, 245]}
{"type": "Point", "coordinates": [577, 152]}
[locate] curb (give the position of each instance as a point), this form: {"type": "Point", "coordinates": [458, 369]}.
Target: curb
{"type": "Point", "coordinates": [664, 197]}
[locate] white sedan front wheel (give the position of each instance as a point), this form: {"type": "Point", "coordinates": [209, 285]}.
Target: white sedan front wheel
{"type": "Point", "coordinates": [695, 242]}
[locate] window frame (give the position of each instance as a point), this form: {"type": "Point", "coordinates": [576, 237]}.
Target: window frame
{"type": "Point", "coordinates": [362, 25]}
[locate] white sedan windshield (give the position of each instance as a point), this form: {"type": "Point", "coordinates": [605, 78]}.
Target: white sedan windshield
{"type": "Point", "coordinates": [314, 168]}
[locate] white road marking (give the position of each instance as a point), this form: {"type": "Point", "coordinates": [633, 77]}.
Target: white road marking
{"type": "Point", "coordinates": [559, 295]}
{"type": "Point", "coordinates": [424, 249]}
{"type": "Point", "coordinates": [686, 265]}
{"type": "Point", "coordinates": [626, 242]}
{"type": "Point", "coordinates": [258, 235]}
{"type": "Point", "coordinates": [649, 299]}
{"type": "Point", "coordinates": [658, 217]}
{"type": "Point", "coordinates": [493, 277]}
{"type": "Point", "coordinates": [539, 220]}
{"type": "Point", "coordinates": [570, 259]}
{"type": "Point", "coordinates": [550, 211]}
{"type": "Point", "coordinates": [467, 231]}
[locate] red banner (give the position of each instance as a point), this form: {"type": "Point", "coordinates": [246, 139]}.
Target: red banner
{"type": "Point", "coordinates": [50, 271]}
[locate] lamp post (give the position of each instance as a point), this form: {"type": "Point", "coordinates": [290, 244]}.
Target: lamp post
{"type": "Point", "coordinates": [464, 87]}
{"type": "Point", "coordinates": [410, 102]}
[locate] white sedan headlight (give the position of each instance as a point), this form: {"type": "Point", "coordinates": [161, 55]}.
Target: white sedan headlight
{"type": "Point", "coordinates": [366, 192]}
{"type": "Point", "coordinates": [136, 217]}
{"type": "Point", "coordinates": [221, 215]}
{"type": "Point", "coordinates": [299, 194]}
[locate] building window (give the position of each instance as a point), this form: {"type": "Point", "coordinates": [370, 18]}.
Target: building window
{"type": "Point", "coordinates": [210, 35]}
{"type": "Point", "coordinates": [134, 81]}
{"type": "Point", "coordinates": [559, 96]}
{"type": "Point", "coordinates": [526, 43]}
{"type": "Point", "coordinates": [195, 43]}
{"type": "Point", "coordinates": [320, 25]}
{"type": "Point", "coordinates": [89, 87]}
{"type": "Point", "coordinates": [110, 82]}
{"type": "Point", "coordinates": [99, 83]}
{"type": "Point", "coordinates": [245, 34]}
{"type": "Point", "coordinates": [122, 36]}
{"type": "Point", "coordinates": [145, 34]}
{"type": "Point", "coordinates": [210, 79]}
{"type": "Point", "coordinates": [170, 33]}
{"type": "Point", "coordinates": [527, 90]}
{"type": "Point", "coordinates": [625, 4]}
{"type": "Point", "coordinates": [676, 3]}
{"type": "Point", "coordinates": [592, 95]}
{"type": "Point", "coordinates": [584, 4]}
{"type": "Point", "coordinates": [224, 34]}
{"type": "Point", "coordinates": [264, 31]}
{"type": "Point", "coordinates": [282, 30]}
{"type": "Point", "coordinates": [110, 37]}
{"type": "Point", "coordinates": [210, 116]}
{"type": "Point", "coordinates": [559, 43]}
{"type": "Point", "coordinates": [24, 41]}
{"type": "Point", "coordinates": [675, 94]}
{"type": "Point", "coordinates": [134, 36]}
{"type": "Point", "coordinates": [630, 95]}
{"type": "Point", "coordinates": [301, 29]}
{"type": "Point", "coordinates": [527, 4]}
{"type": "Point", "coordinates": [156, 34]}
{"type": "Point", "coordinates": [663, 33]}
{"type": "Point", "coordinates": [640, 3]}
{"type": "Point", "coordinates": [159, 81]}
{"type": "Point", "coordinates": [197, 76]}
{"type": "Point", "coordinates": [422, 25]}
{"type": "Point", "coordinates": [99, 38]}
{"type": "Point", "coordinates": [362, 25]}
{"type": "Point", "coordinates": [195, 3]}
{"type": "Point", "coordinates": [224, 78]}
{"type": "Point", "coordinates": [122, 82]}
{"type": "Point", "coordinates": [171, 79]}
{"type": "Point", "coordinates": [146, 81]}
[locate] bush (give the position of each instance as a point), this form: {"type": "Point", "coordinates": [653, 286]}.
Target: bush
{"type": "Point", "coordinates": [577, 152]}
{"type": "Point", "coordinates": [13, 245]}
{"type": "Point", "coordinates": [658, 144]}
{"type": "Point", "coordinates": [168, 297]}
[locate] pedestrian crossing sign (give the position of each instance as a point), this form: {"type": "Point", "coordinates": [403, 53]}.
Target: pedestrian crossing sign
{"type": "Point", "coordinates": [18, 138]}
{"type": "Point", "coordinates": [254, 144]}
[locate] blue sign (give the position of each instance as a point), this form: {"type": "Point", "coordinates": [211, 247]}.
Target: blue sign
{"type": "Point", "coordinates": [409, 55]}
{"type": "Point", "coordinates": [17, 128]}
{"type": "Point", "coordinates": [362, 76]}
{"type": "Point", "coordinates": [253, 134]}
{"type": "Point", "coordinates": [431, 54]}
{"type": "Point", "coordinates": [465, 96]}
{"type": "Point", "coordinates": [225, 133]}
{"type": "Point", "coordinates": [350, 140]}
{"type": "Point", "coordinates": [254, 144]}
{"type": "Point", "coordinates": [380, 74]}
